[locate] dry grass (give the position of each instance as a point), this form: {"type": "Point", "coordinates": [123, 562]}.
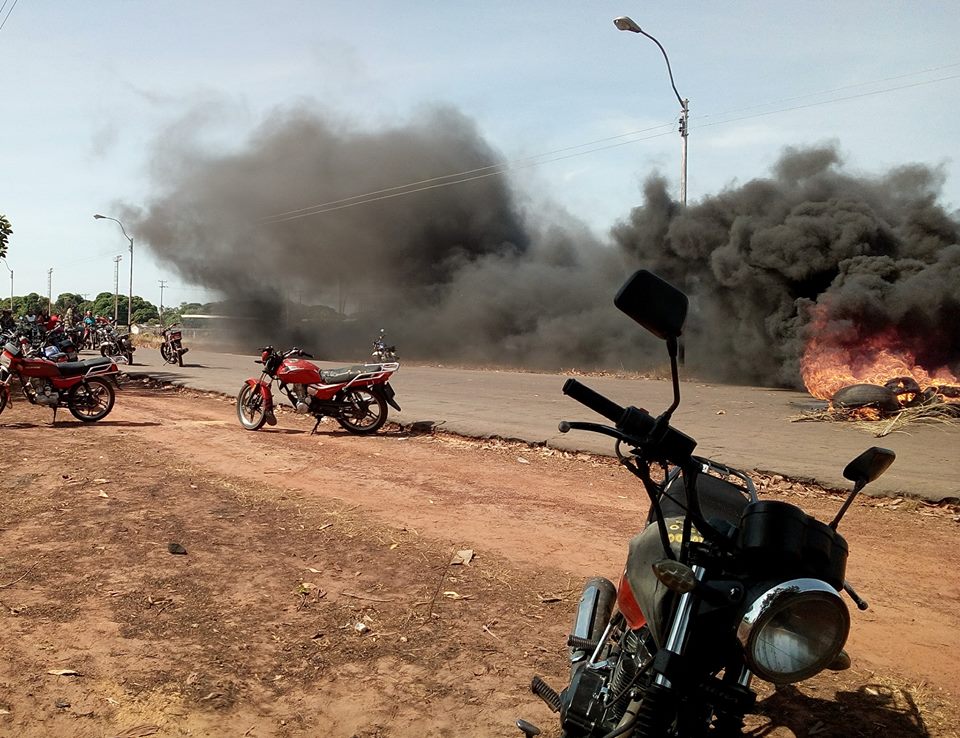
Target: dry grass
{"type": "Point", "coordinates": [945, 413]}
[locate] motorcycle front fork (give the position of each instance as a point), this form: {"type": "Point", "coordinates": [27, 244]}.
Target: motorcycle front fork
{"type": "Point", "coordinates": [674, 647]}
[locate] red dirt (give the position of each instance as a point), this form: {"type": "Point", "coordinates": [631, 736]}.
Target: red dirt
{"type": "Point", "coordinates": [293, 540]}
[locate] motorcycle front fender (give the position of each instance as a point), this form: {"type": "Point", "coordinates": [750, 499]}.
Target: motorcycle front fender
{"type": "Point", "coordinates": [265, 391]}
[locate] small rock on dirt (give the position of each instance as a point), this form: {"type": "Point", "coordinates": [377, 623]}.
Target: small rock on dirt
{"type": "Point", "coordinates": [176, 548]}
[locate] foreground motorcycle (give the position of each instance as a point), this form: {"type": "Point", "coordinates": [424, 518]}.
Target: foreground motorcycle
{"type": "Point", "coordinates": [356, 396]}
{"type": "Point", "coordinates": [383, 352]}
{"type": "Point", "coordinates": [83, 386]}
{"type": "Point", "coordinates": [172, 349]}
{"type": "Point", "coordinates": [718, 589]}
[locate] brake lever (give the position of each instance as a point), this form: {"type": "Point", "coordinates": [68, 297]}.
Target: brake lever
{"type": "Point", "coordinates": [566, 426]}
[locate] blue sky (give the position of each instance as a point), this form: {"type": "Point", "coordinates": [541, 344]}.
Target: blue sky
{"type": "Point", "coordinates": [87, 88]}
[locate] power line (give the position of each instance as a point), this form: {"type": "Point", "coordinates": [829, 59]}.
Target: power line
{"type": "Point", "coordinates": [499, 168]}
{"type": "Point", "coordinates": [551, 156]}
{"type": "Point", "coordinates": [8, 12]}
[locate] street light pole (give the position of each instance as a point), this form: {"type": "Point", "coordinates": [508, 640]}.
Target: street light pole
{"type": "Point", "coordinates": [130, 295]}
{"type": "Point", "coordinates": [624, 23]}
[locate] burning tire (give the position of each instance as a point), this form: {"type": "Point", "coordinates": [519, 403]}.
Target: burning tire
{"type": "Point", "coordinates": [866, 395]}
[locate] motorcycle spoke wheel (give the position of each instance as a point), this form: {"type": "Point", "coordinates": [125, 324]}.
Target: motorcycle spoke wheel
{"type": "Point", "coordinates": [165, 352]}
{"type": "Point", "coordinates": [91, 401]}
{"type": "Point", "coordinates": [363, 412]}
{"type": "Point", "coordinates": [250, 408]}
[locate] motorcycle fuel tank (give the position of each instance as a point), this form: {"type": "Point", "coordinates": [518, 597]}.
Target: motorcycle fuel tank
{"type": "Point", "coordinates": [298, 371]}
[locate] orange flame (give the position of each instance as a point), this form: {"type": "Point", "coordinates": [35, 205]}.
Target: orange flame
{"type": "Point", "coordinates": [836, 359]}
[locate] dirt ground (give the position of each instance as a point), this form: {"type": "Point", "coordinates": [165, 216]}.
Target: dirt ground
{"type": "Point", "coordinates": [316, 594]}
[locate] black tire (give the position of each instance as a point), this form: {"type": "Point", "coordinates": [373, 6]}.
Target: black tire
{"type": "Point", "coordinates": [130, 358]}
{"type": "Point", "coordinates": [250, 410]}
{"type": "Point", "coordinates": [179, 356]}
{"type": "Point", "coordinates": [165, 352]}
{"type": "Point", "coordinates": [364, 413]}
{"type": "Point", "coordinates": [866, 395]}
{"type": "Point", "coordinates": [103, 351]}
{"type": "Point", "coordinates": [4, 395]}
{"type": "Point", "coordinates": [91, 400]}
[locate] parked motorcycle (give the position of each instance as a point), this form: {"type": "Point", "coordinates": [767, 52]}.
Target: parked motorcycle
{"type": "Point", "coordinates": [172, 349]}
{"type": "Point", "coordinates": [82, 386]}
{"type": "Point", "coordinates": [382, 352]}
{"type": "Point", "coordinates": [356, 396]}
{"type": "Point", "coordinates": [719, 588]}
{"type": "Point", "coordinates": [116, 344]}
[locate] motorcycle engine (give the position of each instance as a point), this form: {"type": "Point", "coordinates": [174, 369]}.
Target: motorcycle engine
{"type": "Point", "coordinates": [44, 393]}
{"type": "Point", "coordinates": [299, 392]}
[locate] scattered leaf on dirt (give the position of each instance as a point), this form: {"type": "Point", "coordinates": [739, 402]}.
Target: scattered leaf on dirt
{"type": "Point", "coordinates": [64, 672]}
{"type": "Point", "coordinates": [463, 556]}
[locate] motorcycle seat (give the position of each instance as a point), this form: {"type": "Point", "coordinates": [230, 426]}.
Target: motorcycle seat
{"type": "Point", "coordinates": [73, 368]}
{"type": "Point", "coordinates": [344, 374]}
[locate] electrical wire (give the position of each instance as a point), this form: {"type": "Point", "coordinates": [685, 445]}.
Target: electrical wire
{"type": "Point", "coordinates": [621, 140]}
{"type": "Point", "coordinates": [8, 12]}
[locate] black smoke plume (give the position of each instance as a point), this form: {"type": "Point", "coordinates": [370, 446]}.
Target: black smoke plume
{"type": "Point", "coordinates": [475, 272]}
{"type": "Point", "coordinates": [453, 273]}
{"type": "Point", "coordinates": [867, 254]}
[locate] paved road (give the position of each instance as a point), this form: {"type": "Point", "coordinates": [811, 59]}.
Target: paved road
{"type": "Point", "coordinates": [746, 427]}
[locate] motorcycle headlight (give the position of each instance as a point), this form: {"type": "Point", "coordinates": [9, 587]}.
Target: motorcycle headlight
{"type": "Point", "coordinates": [794, 630]}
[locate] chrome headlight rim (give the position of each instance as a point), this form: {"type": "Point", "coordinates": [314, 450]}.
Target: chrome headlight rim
{"type": "Point", "coordinates": [775, 601]}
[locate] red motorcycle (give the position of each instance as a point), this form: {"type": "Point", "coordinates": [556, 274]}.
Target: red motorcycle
{"type": "Point", "coordinates": [82, 386]}
{"type": "Point", "coordinates": [356, 396]}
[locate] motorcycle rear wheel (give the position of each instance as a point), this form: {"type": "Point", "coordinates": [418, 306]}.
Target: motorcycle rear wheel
{"type": "Point", "coordinates": [91, 402]}
{"type": "Point", "coordinates": [364, 411]}
{"type": "Point", "coordinates": [250, 410]}
{"type": "Point", "coordinates": [179, 355]}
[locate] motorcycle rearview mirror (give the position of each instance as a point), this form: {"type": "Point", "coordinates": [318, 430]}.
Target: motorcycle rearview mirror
{"type": "Point", "coordinates": [653, 303]}
{"type": "Point", "coordinates": [661, 308]}
{"type": "Point", "coordinates": [864, 469]}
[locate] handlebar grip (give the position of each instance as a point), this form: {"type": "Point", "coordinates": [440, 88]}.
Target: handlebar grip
{"type": "Point", "coordinates": [593, 400]}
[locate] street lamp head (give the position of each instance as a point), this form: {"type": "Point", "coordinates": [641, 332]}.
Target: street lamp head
{"type": "Point", "coordinates": [624, 23]}
{"type": "Point", "coordinates": [97, 216]}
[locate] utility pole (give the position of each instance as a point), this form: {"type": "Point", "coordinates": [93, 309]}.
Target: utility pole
{"type": "Point", "coordinates": [11, 283]}
{"type": "Point", "coordinates": [50, 291]}
{"type": "Point", "coordinates": [116, 285]}
{"type": "Point", "coordinates": [163, 283]}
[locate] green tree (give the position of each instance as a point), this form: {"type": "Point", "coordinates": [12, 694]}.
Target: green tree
{"type": "Point", "coordinates": [32, 303]}
{"type": "Point", "coordinates": [68, 300]}
{"type": "Point", "coordinates": [5, 231]}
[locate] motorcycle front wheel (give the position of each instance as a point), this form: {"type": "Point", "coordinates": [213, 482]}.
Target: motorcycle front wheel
{"type": "Point", "coordinates": [165, 352]}
{"type": "Point", "coordinates": [179, 354]}
{"type": "Point", "coordinates": [250, 410]}
{"type": "Point", "coordinates": [364, 412]}
{"type": "Point", "coordinates": [91, 400]}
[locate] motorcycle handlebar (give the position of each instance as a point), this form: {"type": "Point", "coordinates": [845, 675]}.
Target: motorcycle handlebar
{"type": "Point", "coordinates": [635, 422]}
{"type": "Point", "coordinates": [593, 400]}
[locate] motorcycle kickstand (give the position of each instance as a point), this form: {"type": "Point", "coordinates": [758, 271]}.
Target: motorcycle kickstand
{"type": "Point", "coordinates": [316, 425]}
